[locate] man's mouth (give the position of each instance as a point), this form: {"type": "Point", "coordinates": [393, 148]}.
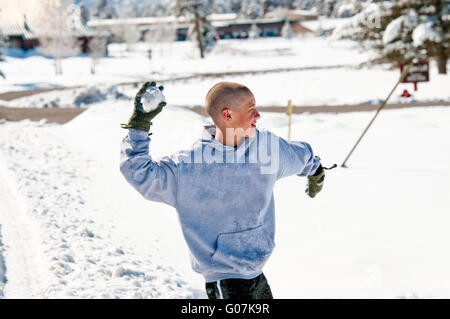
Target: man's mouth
{"type": "Point", "coordinates": [254, 125]}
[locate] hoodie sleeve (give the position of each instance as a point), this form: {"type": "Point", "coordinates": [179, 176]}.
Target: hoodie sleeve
{"type": "Point", "coordinates": [155, 180]}
{"type": "Point", "coordinates": [296, 158]}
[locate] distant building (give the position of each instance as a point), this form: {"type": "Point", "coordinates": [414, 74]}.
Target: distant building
{"type": "Point", "coordinates": [21, 35]}
{"type": "Point", "coordinates": [228, 26]}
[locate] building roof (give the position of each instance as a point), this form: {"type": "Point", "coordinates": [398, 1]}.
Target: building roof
{"type": "Point", "coordinates": [225, 17]}
{"type": "Point", "coordinates": [217, 20]}
{"type": "Point", "coordinates": [17, 29]}
{"type": "Point", "coordinates": [27, 31]}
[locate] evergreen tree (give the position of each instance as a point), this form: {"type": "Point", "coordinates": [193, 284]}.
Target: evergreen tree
{"type": "Point", "coordinates": [404, 31]}
{"type": "Point", "coordinates": [198, 11]}
{"type": "Point", "coordinates": [105, 10]}
{"type": "Point", "coordinates": [2, 47]}
{"type": "Point", "coordinates": [84, 14]}
{"type": "Point", "coordinates": [2, 44]}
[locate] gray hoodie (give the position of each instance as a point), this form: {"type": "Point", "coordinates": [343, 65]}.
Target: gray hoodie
{"type": "Point", "coordinates": [223, 195]}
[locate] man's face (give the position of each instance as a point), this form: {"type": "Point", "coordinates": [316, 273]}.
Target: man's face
{"type": "Point", "coordinates": [244, 116]}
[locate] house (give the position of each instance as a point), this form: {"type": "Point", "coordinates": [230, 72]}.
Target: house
{"type": "Point", "coordinates": [21, 34]}
{"type": "Point", "coordinates": [228, 25]}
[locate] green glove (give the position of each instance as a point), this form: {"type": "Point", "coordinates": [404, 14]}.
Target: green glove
{"type": "Point", "coordinates": [315, 182]}
{"type": "Point", "coordinates": [140, 119]}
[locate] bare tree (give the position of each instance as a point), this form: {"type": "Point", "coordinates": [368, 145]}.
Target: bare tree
{"type": "Point", "coordinates": [254, 32]}
{"type": "Point", "coordinates": [56, 29]}
{"type": "Point", "coordinates": [97, 49]}
{"type": "Point", "coordinates": [286, 30]}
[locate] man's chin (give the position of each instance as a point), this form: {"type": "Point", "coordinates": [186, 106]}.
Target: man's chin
{"type": "Point", "coordinates": [251, 132]}
{"type": "Point", "coordinates": [239, 132]}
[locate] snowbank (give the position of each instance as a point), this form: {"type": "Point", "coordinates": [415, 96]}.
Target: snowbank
{"type": "Point", "coordinates": [78, 97]}
{"type": "Point", "coordinates": [370, 233]}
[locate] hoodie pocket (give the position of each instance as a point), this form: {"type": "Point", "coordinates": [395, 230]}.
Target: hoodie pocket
{"type": "Point", "coordinates": [244, 251]}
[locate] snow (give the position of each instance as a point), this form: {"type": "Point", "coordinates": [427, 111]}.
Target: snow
{"type": "Point", "coordinates": [71, 226]}
{"type": "Point", "coordinates": [151, 98]}
{"type": "Point", "coordinates": [309, 87]}
{"type": "Point", "coordinates": [82, 253]}
{"type": "Point", "coordinates": [424, 32]}
{"type": "Point", "coordinates": [325, 24]}
{"type": "Point", "coordinates": [393, 30]}
{"type": "Point", "coordinates": [101, 239]}
{"type": "Point", "coordinates": [321, 86]}
{"type": "Point", "coordinates": [2, 266]}
{"type": "Point", "coordinates": [369, 16]}
{"type": "Point", "coordinates": [175, 59]}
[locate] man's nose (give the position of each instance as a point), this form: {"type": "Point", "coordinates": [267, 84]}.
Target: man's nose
{"type": "Point", "coordinates": [257, 115]}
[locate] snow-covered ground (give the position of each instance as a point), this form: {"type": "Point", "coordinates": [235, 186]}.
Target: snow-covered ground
{"type": "Point", "coordinates": [72, 227]}
{"type": "Point", "coordinates": [173, 60]}
{"type": "Point", "coordinates": [332, 86]}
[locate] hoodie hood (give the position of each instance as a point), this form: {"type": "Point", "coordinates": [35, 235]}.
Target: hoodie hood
{"type": "Point", "coordinates": [208, 139]}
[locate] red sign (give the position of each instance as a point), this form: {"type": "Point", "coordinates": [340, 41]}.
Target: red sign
{"type": "Point", "coordinates": [419, 72]}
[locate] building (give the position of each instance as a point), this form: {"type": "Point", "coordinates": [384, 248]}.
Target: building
{"type": "Point", "coordinates": [228, 26]}
{"type": "Point", "coordinates": [21, 34]}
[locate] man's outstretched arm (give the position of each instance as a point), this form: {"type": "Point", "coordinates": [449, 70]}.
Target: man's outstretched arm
{"type": "Point", "coordinates": [155, 180]}
{"type": "Point", "coordinates": [297, 158]}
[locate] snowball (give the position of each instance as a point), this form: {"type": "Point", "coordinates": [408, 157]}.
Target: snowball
{"type": "Point", "coordinates": [151, 98]}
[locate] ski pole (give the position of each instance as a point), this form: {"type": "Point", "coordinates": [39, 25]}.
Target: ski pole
{"type": "Point", "coordinates": [404, 73]}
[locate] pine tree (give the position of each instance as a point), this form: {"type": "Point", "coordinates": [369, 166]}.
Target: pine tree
{"type": "Point", "coordinates": [84, 14]}
{"type": "Point", "coordinates": [252, 9]}
{"type": "Point", "coordinates": [2, 47]}
{"type": "Point", "coordinates": [432, 35]}
{"type": "Point", "coordinates": [198, 11]}
{"type": "Point", "coordinates": [105, 10]}
{"type": "Point", "coordinates": [405, 30]}
{"type": "Point", "coordinates": [2, 44]}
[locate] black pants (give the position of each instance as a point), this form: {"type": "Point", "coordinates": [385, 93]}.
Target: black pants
{"type": "Point", "coordinates": [256, 288]}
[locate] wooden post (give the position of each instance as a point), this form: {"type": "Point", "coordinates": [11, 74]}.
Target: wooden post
{"type": "Point", "coordinates": [289, 113]}
{"type": "Point", "coordinates": [405, 72]}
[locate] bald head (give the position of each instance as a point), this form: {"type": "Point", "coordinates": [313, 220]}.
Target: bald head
{"type": "Point", "coordinates": [224, 95]}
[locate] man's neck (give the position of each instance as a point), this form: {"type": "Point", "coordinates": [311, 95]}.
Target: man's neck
{"type": "Point", "coordinates": [234, 140]}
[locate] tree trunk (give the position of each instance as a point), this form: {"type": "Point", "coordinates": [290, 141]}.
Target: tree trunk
{"type": "Point", "coordinates": [199, 36]}
{"type": "Point", "coordinates": [93, 63]}
{"type": "Point", "coordinates": [58, 67]}
{"type": "Point", "coordinates": [441, 60]}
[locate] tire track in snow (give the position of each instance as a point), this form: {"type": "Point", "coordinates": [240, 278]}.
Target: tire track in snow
{"type": "Point", "coordinates": [2, 265]}
{"type": "Point", "coordinates": [21, 256]}
{"type": "Point", "coordinates": [81, 258]}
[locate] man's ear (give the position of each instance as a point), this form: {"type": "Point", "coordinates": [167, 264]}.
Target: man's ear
{"type": "Point", "coordinates": [226, 114]}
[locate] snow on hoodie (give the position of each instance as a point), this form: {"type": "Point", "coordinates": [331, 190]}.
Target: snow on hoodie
{"type": "Point", "coordinates": [223, 195]}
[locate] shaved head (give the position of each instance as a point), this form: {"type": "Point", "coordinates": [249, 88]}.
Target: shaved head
{"type": "Point", "coordinates": [224, 95]}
